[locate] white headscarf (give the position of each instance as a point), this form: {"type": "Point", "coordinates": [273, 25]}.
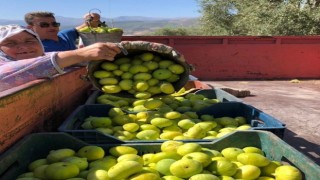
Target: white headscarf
{"type": "Point", "coordinates": [7, 31]}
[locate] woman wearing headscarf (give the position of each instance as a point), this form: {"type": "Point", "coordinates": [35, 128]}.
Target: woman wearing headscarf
{"type": "Point", "coordinates": [22, 57]}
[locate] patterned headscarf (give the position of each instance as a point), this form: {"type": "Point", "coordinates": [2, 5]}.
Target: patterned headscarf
{"type": "Point", "coordinates": [7, 31]}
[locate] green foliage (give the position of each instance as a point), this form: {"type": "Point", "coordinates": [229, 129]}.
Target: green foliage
{"type": "Point", "coordinates": [171, 31]}
{"type": "Point", "coordinates": [238, 17]}
{"type": "Point", "coordinates": [147, 27]}
{"type": "Point", "coordinates": [261, 17]}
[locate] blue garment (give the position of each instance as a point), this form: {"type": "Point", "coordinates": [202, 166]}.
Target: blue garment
{"type": "Point", "coordinates": [67, 41]}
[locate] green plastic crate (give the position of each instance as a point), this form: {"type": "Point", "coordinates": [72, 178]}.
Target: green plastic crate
{"type": "Point", "coordinates": [258, 120]}
{"type": "Point", "coordinates": [16, 159]}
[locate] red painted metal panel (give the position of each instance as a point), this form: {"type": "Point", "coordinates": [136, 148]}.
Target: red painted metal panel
{"type": "Point", "coordinates": [43, 105]}
{"type": "Point", "coordinates": [40, 105]}
{"type": "Point", "coordinates": [246, 57]}
{"type": "Point", "coordinates": [197, 85]}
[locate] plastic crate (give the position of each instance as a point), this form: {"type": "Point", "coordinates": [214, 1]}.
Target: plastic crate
{"type": "Point", "coordinates": [72, 124]}
{"type": "Point", "coordinates": [255, 117]}
{"type": "Point", "coordinates": [258, 119]}
{"type": "Point", "coordinates": [15, 160]}
{"type": "Point", "coordinates": [215, 93]}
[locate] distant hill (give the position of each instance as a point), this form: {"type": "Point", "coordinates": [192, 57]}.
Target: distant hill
{"type": "Point", "coordinates": [132, 25]}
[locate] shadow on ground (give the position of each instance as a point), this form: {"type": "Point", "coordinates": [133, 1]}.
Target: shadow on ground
{"type": "Point", "coordinates": [311, 150]}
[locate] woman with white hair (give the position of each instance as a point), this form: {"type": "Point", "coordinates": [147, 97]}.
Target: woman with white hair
{"type": "Point", "coordinates": [22, 57]}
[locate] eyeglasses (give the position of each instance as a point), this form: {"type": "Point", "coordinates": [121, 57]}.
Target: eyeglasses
{"type": "Point", "coordinates": [45, 24]}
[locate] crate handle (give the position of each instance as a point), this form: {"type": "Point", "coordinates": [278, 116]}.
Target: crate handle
{"type": "Point", "coordinates": [257, 123]}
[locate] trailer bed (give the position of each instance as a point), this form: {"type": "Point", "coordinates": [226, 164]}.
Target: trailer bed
{"type": "Point", "coordinates": [295, 103]}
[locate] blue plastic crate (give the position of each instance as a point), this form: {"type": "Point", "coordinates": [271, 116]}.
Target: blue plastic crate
{"type": "Point", "coordinates": [15, 160]}
{"type": "Point", "coordinates": [217, 93]}
{"type": "Point", "coordinates": [256, 118]}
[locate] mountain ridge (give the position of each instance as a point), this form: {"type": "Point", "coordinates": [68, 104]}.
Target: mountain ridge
{"type": "Point", "coordinates": [132, 25]}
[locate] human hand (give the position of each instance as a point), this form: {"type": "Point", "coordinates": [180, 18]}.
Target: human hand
{"type": "Point", "coordinates": [92, 19]}
{"type": "Point", "coordinates": [93, 52]}
{"type": "Point", "coordinates": [98, 51]}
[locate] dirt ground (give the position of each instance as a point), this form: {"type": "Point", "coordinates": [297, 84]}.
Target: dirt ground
{"type": "Point", "coordinates": [296, 104]}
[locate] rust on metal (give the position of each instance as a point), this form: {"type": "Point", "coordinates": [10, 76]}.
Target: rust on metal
{"type": "Point", "coordinates": [40, 105]}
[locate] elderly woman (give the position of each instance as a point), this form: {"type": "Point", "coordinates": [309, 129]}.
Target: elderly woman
{"type": "Point", "coordinates": [22, 57]}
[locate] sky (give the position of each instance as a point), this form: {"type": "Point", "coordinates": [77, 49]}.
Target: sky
{"type": "Point", "coordinates": [109, 8]}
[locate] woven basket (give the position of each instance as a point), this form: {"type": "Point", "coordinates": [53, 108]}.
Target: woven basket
{"type": "Point", "coordinates": [138, 47]}
{"type": "Point", "coordinates": [92, 37]}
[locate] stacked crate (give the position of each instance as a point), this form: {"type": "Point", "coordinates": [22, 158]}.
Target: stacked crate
{"type": "Point", "coordinates": [265, 133]}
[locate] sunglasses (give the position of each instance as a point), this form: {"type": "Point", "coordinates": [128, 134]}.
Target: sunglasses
{"type": "Point", "coordinates": [45, 24]}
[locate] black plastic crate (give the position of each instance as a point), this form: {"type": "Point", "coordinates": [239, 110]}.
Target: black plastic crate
{"type": "Point", "coordinates": [72, 124]}
{"type": "Point", "coordinates": [15, 160]}
{"type": "Point", "coordinates": [256, 118]}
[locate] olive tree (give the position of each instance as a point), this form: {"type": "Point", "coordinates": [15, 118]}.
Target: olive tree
{"type": "Point", "coordinates": [260, 17]}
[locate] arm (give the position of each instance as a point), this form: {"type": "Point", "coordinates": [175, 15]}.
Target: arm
{"type": "Point", "coordinates": [81, 26]}
{"type": "Point", "coordinates": [14, 73]}
{"type": "Point", "coordinates": [93, 52]}
{"type": "Point", "coordinates": [90, 19]}
{"type": "Point", "coordinates": [69, 34]}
